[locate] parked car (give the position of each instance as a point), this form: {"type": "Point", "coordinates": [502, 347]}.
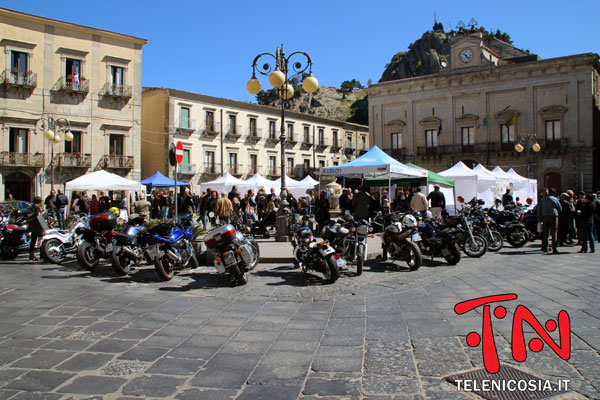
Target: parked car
{"type": "Point", "coordinates": [11, 205]}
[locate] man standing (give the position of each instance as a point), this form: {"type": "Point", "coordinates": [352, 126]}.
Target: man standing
{"type": "Point", "coordinates": [61, 202]}
{"type": "Point", "coordinates": [231, 194]}
{"type": "Point", "coordinates": [438, 202]}
{"type": "Point", "coordinates": [507, 198]}
{"type": "Point", "coordinates": [185, 203]}
{"type": "Point", "coordinates": [361, 204]}
{"type": "Point", "coordinates": [586, 220]}
{"type": "Point", "coordinates": [103, 202]}
{"type": "Point", "coordinates": [142, 206]}
{"type": "Point", "coordinates": [50, 202]}
{"type": "Point", "coordinates": [224, 208]}
{"type": "Point", "coordinates": [548, 210]}
{"type": "Point", "coordinates": [418, 201]}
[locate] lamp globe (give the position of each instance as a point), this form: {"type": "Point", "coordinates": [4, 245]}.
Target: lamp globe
{"type": "Point", "coordinates": [253, 86]}
{"type": "Point", "coordinates": [310, 84]}
{"type": "Point", "coordinates": [277, 78]}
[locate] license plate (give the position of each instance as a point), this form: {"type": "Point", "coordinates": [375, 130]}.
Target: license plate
{"type": "Point", "coordinates": [416, 237]}
{"type": "Point", "coordinates": [153, 252]}
{"type": "Point", "coordinates": [340, 262]}
{"type": "Point", "coordinates": [220, 267]}
{"type": "Point", "coordinates": [108, 248]}
{"type": "Point", "coordinates": [327, 251]}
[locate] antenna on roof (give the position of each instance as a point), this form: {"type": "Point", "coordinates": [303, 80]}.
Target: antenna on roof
{"type": "Point", "coordinates": [460, 25]}
{"type": "Point", "coordinates": [434, 18]}
{"type": "Point", "coordinates": [473, 23]}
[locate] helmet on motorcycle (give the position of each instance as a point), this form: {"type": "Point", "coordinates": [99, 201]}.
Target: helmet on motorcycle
{"type": "Point", "coordinates": [305, 232]}
{"type": "Point", "coordinates": [115, 211]}
{"type": "Point", "coordinates": [409, 221]}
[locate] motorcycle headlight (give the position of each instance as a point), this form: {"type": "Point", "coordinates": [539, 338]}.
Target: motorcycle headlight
{"type": "Point", "coordinates": [362, 229]}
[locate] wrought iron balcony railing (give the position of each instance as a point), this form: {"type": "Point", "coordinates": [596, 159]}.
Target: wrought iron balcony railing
{"type": "Point", "coordinates": [256, 169]}
{"type": "Point", "coordinates": [186, 169]}
{"type": "Point", "coordinates": [186, 125]}
{"type": "Point", "coordinates": [73, 160]}
{"type": "Point", "coordinates": [211, 128]}
{"type": "Point", "coordinates": [117, 162]}
{"type": "Point", "coordinates": [22, 159]}
{"type": "Point", "coordinates": [273, 172]}
{"type": "Point", "coordinates": [113, 90]}
{"type": "Point", "coordinates": [254, 135]}
{"type": "Point", "coordinates": [69, 85]}
{"type": "Point", "coordinates": [14, 78]}
{"type": "Point", "coordinates": [211, 169]}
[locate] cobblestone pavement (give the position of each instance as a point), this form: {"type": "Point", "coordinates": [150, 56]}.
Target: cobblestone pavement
{"type": "Point", "coordinates": [390, 333]}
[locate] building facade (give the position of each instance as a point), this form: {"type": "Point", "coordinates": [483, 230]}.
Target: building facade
{"type": "Point", "coordinates": [221, 135]}
{"type": "Point", "coordinates": [480, 106]}
{"type": "Point", "coordinates": [88, 76]}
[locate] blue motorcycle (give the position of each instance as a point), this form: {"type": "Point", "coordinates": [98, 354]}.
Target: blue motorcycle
{"type": "Point", "coordinates": [171, 249]}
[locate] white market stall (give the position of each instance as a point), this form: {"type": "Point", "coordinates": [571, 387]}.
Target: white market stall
{"type": "Point", "coordinates": [224, 184]}
{"type": "Point", "coordinates": [469, 184]}
{"type": "Point", "coordinates": [501, 184]}
{"type": "Point", "coordinates": [257, 181]}
{"type": "Point", "coordinates": [297, 188]}
{"type": "Point", "coordinates": [523, 188]}
{"type": "Point", "coordinates": [310, 182]}
{"type": "Point", "coordinates": [102, 180]}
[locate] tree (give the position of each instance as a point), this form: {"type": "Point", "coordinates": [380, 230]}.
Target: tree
{"type": "Point", "coordinates": [347, 87]}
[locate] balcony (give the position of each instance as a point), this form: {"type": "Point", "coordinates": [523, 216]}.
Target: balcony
{"type": "Point", "coordinates": [186, 169]}
{"type": "Point", "coordinates": [234, 132]}
{"type": "Point", "coordinates": [290, 141]}
{"type": "Point", "coordinates": [211, 128]}
{"type": "Point", "coordinates": [255, 135]}
{"type": "Point", "coordinates": [185, 125]}
{"type": "Point", "coordinates": [211, 170]}
{"type": "Point", "coordinates": [66, 84]}
{"type": "Point", "coordinates": [321, 145]}
{"type": "Point", "coordinates": [363, 148]}
{"type": "Point", "coordinates": [554, 145]}
{"type": "Point", "coordinates": [350, 147]}
{"type": "Point", "coordinates": [427, 151]}
{"type": "Point", "coordinates": [235, 170]}
{"type": "Point", "coordinates": [306, 143]}
{"type": "Point", "coordinates": [12, 78]}
{"type": "Point", "coordinates": [21, 159]}
{"type": "Point", "coordinates": [467, 148]}
{"type": "Point", "coordinates": [272, 172]}
{"type": "Point", "coordinates": [397, 153]}
{"type": "Point", "coordinates": [256, 169]}
{"type": "Point", "coordinates": [72, 160]}
{"type": "Point", "coordinates": [116, 91]}
{"type": "Point", "coordinates": [117, 162]}
{"type": "Point", "coordinates": [273, 138]}
{"type": "Point", "coordinates": [336, 144]}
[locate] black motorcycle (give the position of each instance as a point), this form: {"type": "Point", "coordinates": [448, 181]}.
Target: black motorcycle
{"type": "Point", "coordinates": [400, 242]}
{"type": "Point", "coordinates": [349, 238]}
{"type": "Point", "coordinates": [320, 257]}
{"type": "Point", "coordinates": [508, 224]}
{"type": "Point", "coordinates": [439, 241]}
{"type": "Point", "coordinates": [15, 235]}
{"type": "Point", "coordinates": [97, 240]}
{"type": "Point", "coordinates": [472, 243]}
{"type": "Point", "coordinates": [130, 246]}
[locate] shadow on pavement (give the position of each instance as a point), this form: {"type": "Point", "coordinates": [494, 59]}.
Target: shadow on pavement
{"type": "Point", "coordinates": [292, 276]}
{"type": "Point", "coordinates": [200, 281]}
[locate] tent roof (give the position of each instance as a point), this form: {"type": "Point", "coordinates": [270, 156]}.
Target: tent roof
{"type": "Point", "coordinates": [259, 180]}
{"type": "Point", "coordinates": [159, 180]}
{"type": "Point", "coordinates": [291, 183]}
{"type": "Point", "coordinates": [310, 181]}
{"type": "Point", "coordinates": [458, 170]}
{"type": "Point", "coordinates": [516, 176]}
{"type": "Point", "coordinates": [434, 177]}
{"type": "Point", "coordinates": [102, 180]}
{"type": "Point", "coordinates": [226, 179]}
{"type": "Point", "coordinates": [499, 172]}
{"type": "Point", "coordinates": [484, 173]}
{"type": "Point", "coordinates": [373, 164]}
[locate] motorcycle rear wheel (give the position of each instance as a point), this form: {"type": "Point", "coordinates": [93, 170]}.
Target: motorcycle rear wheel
{"type": "Point", "coordinates": [121, 263]}
{"type": "Point", "coordinates": [412, 256]}
{"type": "Point", "coordinates": [8, 252]}
{"type": "Point", "coordinates": [518, 237]}
{"type": "Point", "coordinates": [360, 258]}
{"type": "Point", "coordinates": [86, 256]}
{"type": "Point", "coordinates": [165, 268]}
{"type": "Point", "coordinates": [495, 242]}
{"type": "Point", "coordinates": [331, 272]}
{"type": "Point", "coordinates": [49, 251]}
{"type": "Point", "coordinates": [238, 279]}
{"type": "Point", "coordinates": [454, 257]}
{"type": "Point", "coordinates": [475, 247]}
{"type": "Point", "coordinates": [254, 261]}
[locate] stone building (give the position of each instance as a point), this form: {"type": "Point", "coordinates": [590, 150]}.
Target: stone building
{"type": "Point", "coordinates": [89, 76]}
{"type": "Point", "coordinates": [482, 103]}
{"type": "Point", "coordinates": [221, 135]}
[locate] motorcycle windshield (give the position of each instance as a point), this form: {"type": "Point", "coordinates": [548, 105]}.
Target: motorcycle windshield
{"type": "Point", "coordinates": [176, 234]}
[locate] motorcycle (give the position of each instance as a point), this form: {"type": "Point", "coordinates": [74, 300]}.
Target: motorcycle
{"type": "Point", "coordinates": [56, 244]}
{"type": "Point", "coordinates": [401, 241]}
{"type": "Point", "coordinates": [320, 257]}
{"type": "Point", "coordinates": [96, 240]}
{"type": "Point", "coordinates": [481, 226]}
{"type": "Point", "coordinates": [439, 243]}
{"type": "Point", "coordinates": [171, 248]}
{"type": "Point", "coordinates": [508, 224]}
{"type": "Point", "coordinates": [130, 246]}
{"type": "Point", "coordinates": [350, 240]}
{"type": "Point", "coordinates": [15, 236]}
{"type": "Point", "coordinates": [473, 244]}
{"type": "Point", "coordinates": [237, 254]}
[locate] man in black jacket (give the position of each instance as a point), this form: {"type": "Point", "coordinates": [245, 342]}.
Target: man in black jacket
{"type": "Point", "coordinates": [438, 202]}
{"type": "Point", "coordinates": [61, 202]}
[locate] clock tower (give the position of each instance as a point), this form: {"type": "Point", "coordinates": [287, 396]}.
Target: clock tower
{"type": "Point", "coordinates": [466, 49]}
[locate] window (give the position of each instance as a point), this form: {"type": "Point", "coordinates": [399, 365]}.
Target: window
{"type": "Point", "coordinates": [253, 163]}
{"type": "Point", "coordinates": [468, 135]}
{"type": "Point", "coordinates": [253, 126]}
{"type": "Point", "coordinates": [290, 131]}
{"type": "Point", "coordinates": [306, 134]}
{"type": "Point", "coordinates": [290, 165]}
{"type": "Point", "coordinates": [116, 75]}
{"type": "Point", "coordinates": [233, 163]}
{"type": "Point", "coordinates": [185, 163]}
{"type": "Point", "coordinates": [335, 139]}
{"type": "Point", "coordinates": [209, 161]}
{"type": "Point", "coordinates": [396, 141]}
{"type": "Point", "coordinates": [115, 143]}
{"type": "Point", "coordinates": [321, 136]}
{"type": "Point", "coordinates": [349, 140]}
{"type": "Point", "coordinates": [272, 163]}
{"type": "Point", "coordinates": [507, 133]}
{"type": "Point", "coordinates": [18, 140]}
{"type": "Point", "coordinates": [72, 73]}
{"type": "Point", "coordinates": [74, 146]}
{"type": "Point", "coordinates": [553, 130]}
{"type": "Point", "coordinates": [18, 66]}
{"type": "Point", "coordinates": [210, 121]}
{"type": "Point", "coordinates": [335, 163]}
{"type": "Point", "coordinates": [184, 117]}
{"type": "Point", "coordinates": [232, 119]}
{"type": "Point", "coordinates": [321, 163]}
{"type": "Point", "coordinates": [430, 138]}
{"type": "Point", "coordinates": [272, 129]}
{"type": "Point", "coordinates": [306, 166]}
{"type": "Point", "coordinates": [363, 142]}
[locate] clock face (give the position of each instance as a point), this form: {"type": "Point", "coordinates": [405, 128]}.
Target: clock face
{"type": "Point", "coordinates": [465, 56]}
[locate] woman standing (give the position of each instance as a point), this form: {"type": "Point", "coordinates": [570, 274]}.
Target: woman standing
{"type": "Point", "coordinates": [34, 226]}
{"type": "Point", "coordinates": [250, 206]}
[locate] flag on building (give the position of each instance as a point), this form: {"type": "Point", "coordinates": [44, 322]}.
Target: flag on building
{"type": "Point", "coordinates": [512, 121]}
{"type": "Point", "coordinates": [484, 123]}
{"type": "Point", "coordinates": [440, 129]}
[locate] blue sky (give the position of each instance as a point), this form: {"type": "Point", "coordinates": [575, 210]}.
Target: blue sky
{"type": "Point", "coordinates": [208, 46]}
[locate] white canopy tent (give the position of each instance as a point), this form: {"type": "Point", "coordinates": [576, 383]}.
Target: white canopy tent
{"type": "Point", "coordinates": [501, 183]}
{"type": "Point", "coordinates": [257, 181]}
{"type": "Point", "coordinates": [469, 183]}
{"type": "Point", "coordinates": [224, 184]}
{"type": "Point", "coordinates": [297, 188]}
{"type": "Point", "coordinates": [310, 181]}
{"type": "Point", "coordinates": [102, 180]}
{"type": "Point", "coordinates": [523, 188]}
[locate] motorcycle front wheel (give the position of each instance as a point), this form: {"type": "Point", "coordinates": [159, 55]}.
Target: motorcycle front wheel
{"type": "Point", "coordinates": [51, 251]}
{"type": "Point", "coordinates": [331, 271]}
{"type": "Point", "coordinates": [87, 256]}
{"type": "Point", "coordinates": [256, 256]}
{"type": "Point", "coordinates": [475, 247]}
{"type": "Point", "coordinates": [360, 258]}
{"type": "Point", "coordinates": [165, 268]}
{"type": "Point", "coordinates": [237, 277]}
{"type": "Point", "coordinates": [8, 252]}
{"type": "Point", "coordinates": [412, 256]}
{"type": "Point", "coordinates": [495, 241]}
{"type": "Point", "coordinates": [121, 263]}
{"type": "Point", "coordinates": [518, 237]}
{"type": "Point", "coordinates": [454, 257]}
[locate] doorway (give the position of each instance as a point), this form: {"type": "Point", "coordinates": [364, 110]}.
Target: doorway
{"type": "Point", "coordinates": [19, 185]}
{"type": "Point", "coordinates": [553, 180]}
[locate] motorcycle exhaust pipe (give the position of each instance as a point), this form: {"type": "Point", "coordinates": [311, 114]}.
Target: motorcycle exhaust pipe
{"type": "Point", "coordinates": [129, 252]}
{"type": "Point", "coordinates": [173, 256]}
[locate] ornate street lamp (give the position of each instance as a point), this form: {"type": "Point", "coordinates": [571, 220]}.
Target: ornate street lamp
{"type": "Point", "coordinates": [277, 71]}
{"type": "Point", "coordinates": [52, 128]}
{"type": "Point", "coordinates": [527, 141]}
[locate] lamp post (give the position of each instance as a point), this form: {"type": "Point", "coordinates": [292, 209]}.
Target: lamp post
{"type": "Point", "coordinates": [277, 71]}
{"type": "Point", "coordinates": [527, 141]}
{"type": "Point", "coordinates": [52, 128]}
